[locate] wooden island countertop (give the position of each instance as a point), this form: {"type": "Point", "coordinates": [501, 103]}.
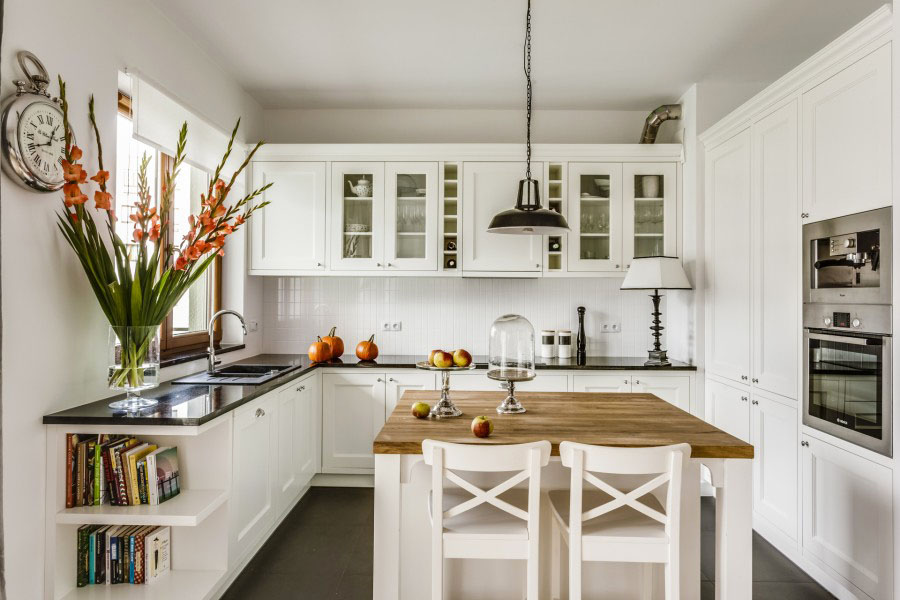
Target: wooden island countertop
{"type": "Point", "coordinates": [604, 419]}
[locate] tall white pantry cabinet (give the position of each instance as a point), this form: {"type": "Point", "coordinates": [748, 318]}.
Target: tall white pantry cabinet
{"type": "Point", "coordinates": [812, 146]}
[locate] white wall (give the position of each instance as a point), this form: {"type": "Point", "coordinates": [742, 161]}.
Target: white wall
{"type": "Point", "coordinates": [54, 336]}
{"type": "Point", "coordinates": [449, 313]}
{"type": "Point", "coordinates": [452, 126]}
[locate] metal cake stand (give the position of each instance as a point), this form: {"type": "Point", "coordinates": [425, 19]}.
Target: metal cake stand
{"type": "Point", "coordinates": [445, 407]}
{"type": "Point", "coordinates": [510, 404]}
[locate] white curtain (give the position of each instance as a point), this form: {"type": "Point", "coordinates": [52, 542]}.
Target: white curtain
{"type": "Point", "coordinates": [157, 119]}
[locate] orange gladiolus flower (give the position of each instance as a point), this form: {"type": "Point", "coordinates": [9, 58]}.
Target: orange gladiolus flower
{"type": "Point", "coordinates": [74, 217]}
{"type": "Point", "coordinates": [180, 263]}
{"type": "Point", "coordinates": [154, 233]}
{"type": "Point", "coordinates": [219, 184]}
{"type": "Point", "coordinates": [137, 235]}
{"type": "Point", "coordinates": [72, 194]}
{"type": "Point", "coordinates": [73, 173]}
{"type": "Point", "coordinates": [75, 153]}
{"type": "Point", "coordinates": [221, 252]}
{"type": "Point", "coordinates": [239, 220]}
{"type": "Point", "coordinates": [220, 211]}
{"type": "Point", "coordinates": [101, 177]}
{"type": "Point", "coordinates": [102, 200]}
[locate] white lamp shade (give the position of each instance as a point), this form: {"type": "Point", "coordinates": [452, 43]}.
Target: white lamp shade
{"type": "Point", "coordinates": [656, 273]}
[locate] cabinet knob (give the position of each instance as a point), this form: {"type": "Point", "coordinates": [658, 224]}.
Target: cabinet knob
{"type": "Point", "coordinates": [755, 402]}
{"type": "Point", "coordinates": [301, 388]}
{"type": "Point", "coordinates": [805, 444]}
{"type": "Point", "coordinates": [391, 379]}
{"type": "Point", "coordinates": [390, 265]}
{"type": "Point", "coordinates": [755, 380]}
{"type": "Point", "coordinates": [617, 266]}
{"type": "Point", "coordinates": [804, 215]}
{"type": "Point", "coordinates": [380, 380]}
{"type": "Point", "coordinates": [377, 264]}
{"type": "Point", "coordinates": [626, 381]}
{"type": "Point", "coordinates": [743, 398]}
{"type": "Point", "coordinates": [319, 265]}
{"type": "Point", "coordinates": [637, 381]}
{"type": "Point", "coordinates": [260, 412]}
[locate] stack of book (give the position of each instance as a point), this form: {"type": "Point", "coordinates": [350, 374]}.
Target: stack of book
{"type": "Point", "coordinates": [119, 470]}
{"type": "Point", "coordinates": [110, 554]}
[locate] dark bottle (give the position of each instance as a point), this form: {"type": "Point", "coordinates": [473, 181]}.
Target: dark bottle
{"type": "Point", "coordinates": [581, 341]}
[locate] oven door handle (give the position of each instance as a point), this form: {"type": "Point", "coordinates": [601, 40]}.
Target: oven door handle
{"type": "Point", "coordinates": [840, 339]}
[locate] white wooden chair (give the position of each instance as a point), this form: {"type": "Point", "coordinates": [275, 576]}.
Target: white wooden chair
{"type": "Point", "coordinates": [629, 517]}
{"type": "Point", "coordinates": [470, 522]}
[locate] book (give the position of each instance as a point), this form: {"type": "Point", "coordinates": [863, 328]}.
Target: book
{"type": "Point", "coordinates": [167, 476]}
{"type": "Point", "coordinates": [100, 555]}
{"type": "Point", "coordinates": [92, 556]}
{"type": "Point", "coordinates": [119, 471]}
{"type": "Point", "coordinates": [98, 471]}
{"type": "Point", "coordinates": [71, 442]}
{"type": "Point", "coordinates": [152, 497]}
{"type": "Point", "coordinates": [139, 559]}
{"type": "Point", "coordinates": [133, 455]}
{"type": "Point", "coordinates": [88, 492]}
{"type": "Point", "coordinates": [142, 480]}
{"type": "Point", "coordinates": [157, 554]}
{"type": "Point", "coordinates": [81, 566]}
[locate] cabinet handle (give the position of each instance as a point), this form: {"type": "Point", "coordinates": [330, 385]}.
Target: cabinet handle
{"type": "Point", "coordinates": [380, 380]}
{"type": "Point", "coordinates": [319, 265]}
{"type": "Point", "coordinates": [617, 266]}
{"type": "Point", "coordinates": [744, 378]}
{"type": "Point", "coordinates": [743, 398]}
{"type": "Point", "coordinates": [755, 380]}
{"type": "Point", "coordinates": [626, 381]}
{"type": "Point", "coordinates": [260, 412]}
{"type": "Point", "coordinates": [805, 444]}
{"type": "Point", "coordinates": [391, 379]}
{"type": "Point", "coordinates": [804, 215]}
{"type": "Point", "coordinates": [637, 381]}
{"type": "Point", "coordinates": [390, 265]}
{"type": "Point", "coordinates": [301, 388]}
{"type": "Point", "coordinates": [755, 402]}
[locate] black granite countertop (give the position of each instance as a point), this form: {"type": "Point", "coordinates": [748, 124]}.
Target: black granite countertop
{"type": "Point", "coordinates": [191, 405]}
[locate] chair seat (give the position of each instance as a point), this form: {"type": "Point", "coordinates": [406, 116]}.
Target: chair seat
{"type": "Point", "coordinates": [484, 521]}
{"type": "Point", "coordinates": [623, 524]}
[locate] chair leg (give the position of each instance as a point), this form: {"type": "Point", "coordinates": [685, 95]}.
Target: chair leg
{"type": "Point", "coordinates": [647, 584]}
{"type": "Point", "coordinates": [673, 591]}
{"type": "Point", "coordinates": [554, 559]}
{"type": "Point", "coordinates": [437, 569]}
{"type": "Point", "coordinates": [574, 571]}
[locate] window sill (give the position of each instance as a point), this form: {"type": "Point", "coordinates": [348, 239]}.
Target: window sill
{"type": "Point", "coordinates": [178, 358]}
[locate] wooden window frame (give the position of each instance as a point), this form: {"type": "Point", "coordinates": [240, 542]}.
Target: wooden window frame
{"type": "Point", "coordinates": [170, 342]}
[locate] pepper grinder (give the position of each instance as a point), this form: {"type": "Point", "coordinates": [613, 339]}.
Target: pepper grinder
{"type": "Point", "coordinates": [581, 342]}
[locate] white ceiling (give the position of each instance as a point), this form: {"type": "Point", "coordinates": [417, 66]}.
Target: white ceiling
{"type": "Point", "coordinates": [587, 54]}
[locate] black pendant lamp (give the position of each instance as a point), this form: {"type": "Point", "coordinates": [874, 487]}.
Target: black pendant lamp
{"type": "Point", "coordinates": [528, 217]}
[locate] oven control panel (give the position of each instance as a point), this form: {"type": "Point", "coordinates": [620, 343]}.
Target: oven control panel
{"type": "Point", "coordinates": [858, 317]}
{"type": "Point", "coordinates": [841, 319]}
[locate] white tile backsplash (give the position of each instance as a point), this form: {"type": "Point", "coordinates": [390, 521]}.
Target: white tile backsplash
{"type": "Point", "coordinates": [449, 313]}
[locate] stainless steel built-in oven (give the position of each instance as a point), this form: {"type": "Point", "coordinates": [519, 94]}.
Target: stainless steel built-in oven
{"type": "Point", "coordinates": [847, 260]}
{"type": "Point", "coordinates": [847, 391]}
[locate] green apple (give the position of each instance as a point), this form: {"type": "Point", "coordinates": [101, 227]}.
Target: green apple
{"type": "Point", "coordinates": [462, 358]}
{"type": "Point", "coordinates": [443, 360]}
{"type": "Point", "coordinates": [482, 426]}
{"type": "Point", "coordinates": [420, 410]}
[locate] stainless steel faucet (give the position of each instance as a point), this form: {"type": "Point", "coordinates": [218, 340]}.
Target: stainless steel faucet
{"type": "Point", "coordinates": [211, 358]}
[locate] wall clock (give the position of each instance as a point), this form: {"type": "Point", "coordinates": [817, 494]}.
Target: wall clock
{"type": "Point", "coordinates": [33, 144]}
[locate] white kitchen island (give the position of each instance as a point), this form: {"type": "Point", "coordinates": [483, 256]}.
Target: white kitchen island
{"type": "Point", "coordinates": [402, 528]}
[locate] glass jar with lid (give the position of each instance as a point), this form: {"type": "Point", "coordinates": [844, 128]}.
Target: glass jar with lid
{"type": "Point", "coordinates": [511, 357]}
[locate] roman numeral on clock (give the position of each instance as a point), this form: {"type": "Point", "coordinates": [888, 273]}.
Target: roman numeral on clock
{"type": "Point", "coordinates": [41, 119]}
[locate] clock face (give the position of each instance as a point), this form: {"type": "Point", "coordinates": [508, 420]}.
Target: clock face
{"type": "Point", "coordinates": [42, 141]}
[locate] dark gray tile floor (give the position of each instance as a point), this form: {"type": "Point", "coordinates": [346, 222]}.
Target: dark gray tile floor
{"type": "Point", "coordinates": [323, 549]}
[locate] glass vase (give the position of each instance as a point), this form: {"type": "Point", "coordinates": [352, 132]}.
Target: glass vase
{"type": "Point", "coordinates": [133, 364]}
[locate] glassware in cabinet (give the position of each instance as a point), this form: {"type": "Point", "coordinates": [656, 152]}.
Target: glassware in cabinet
{"type": "Point", "coordinates": [650, 210]}
{"type": "Point", "coordinates": [595, 205]}
{"type": "Point", "coordinates": [358, 215]}
{"type": "Point", "coordinates": [411, 216]}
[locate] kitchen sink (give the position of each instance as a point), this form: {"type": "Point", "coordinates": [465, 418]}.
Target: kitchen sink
{"type": "Point", "coordinates": [238, 374]}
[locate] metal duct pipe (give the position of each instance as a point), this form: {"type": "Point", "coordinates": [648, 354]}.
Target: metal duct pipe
{"type": "Point", "coordinates": [666, 112]}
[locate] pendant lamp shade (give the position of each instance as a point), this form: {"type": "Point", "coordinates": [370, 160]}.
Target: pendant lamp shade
{"type": "Point", "coordinates": [528, 217]}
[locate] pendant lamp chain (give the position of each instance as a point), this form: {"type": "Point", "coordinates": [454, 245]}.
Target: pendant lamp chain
{"type": "Point", "coordinates": [528, 92]}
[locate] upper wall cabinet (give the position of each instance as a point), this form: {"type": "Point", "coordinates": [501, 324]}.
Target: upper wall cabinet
{"type": "Point", "coordinates": [595, 216]}
{"type": "Point", "coordinates": [289, 233]}
{"type": "Point", "coordinates": [411, 215]}
{"type": "Point", "coordinates": [490, 187]}
{"type": "Point", "coordinates": [357, 216]}
{"type": "Point", "coordinates": [847, 140]}
{"type": "Point", "coordinates": [650, 211]}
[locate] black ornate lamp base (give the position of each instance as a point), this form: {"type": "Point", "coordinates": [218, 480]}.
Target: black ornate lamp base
{"type": "Point", "coordinates": [657, 358]}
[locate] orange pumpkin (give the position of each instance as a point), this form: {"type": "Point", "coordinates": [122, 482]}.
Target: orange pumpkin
{"type": "Point", "coordinates": [367, 350]}
{"type": "Point", "coordinates": [336, 343]}
{"type": "Point", "coordinates": [319, 351]}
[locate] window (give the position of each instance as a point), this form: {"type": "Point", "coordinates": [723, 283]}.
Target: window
{"type": "Point", "coordinates": [185, 327]}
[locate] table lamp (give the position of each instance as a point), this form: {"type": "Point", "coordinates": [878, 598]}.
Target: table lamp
{"type": "Point", "coordinates": [656, 273]}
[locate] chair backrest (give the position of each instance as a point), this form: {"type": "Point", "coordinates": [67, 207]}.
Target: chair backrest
{"type": "Point", "coordinates": [445, 457]}
{"type": "Point", "coordinates": [663, 461]}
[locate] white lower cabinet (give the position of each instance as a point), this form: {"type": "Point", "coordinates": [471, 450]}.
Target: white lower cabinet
{"type": "Point", "coordinates": [775, 467]}
{"type": "Point", "coordinates": [674, 389]}
{"type": "Point", "coordinates": [847, 517]}
{"type": "Point", "coordinates": [397, 383]}
{"type": "Point", "coordinates": [479, 381]}
{"type": "Point", "coordinates": [254, 472]}
{"type": "Point", "coordinates": [602, 384]}
{"type": "Point", "coordinates": [353, 412]}
{"type": "Point", "coordinates": [298, 440]}
{"type": "Point", "coordinates": [729, 408]}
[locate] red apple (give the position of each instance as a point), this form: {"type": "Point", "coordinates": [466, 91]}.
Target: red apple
{"type": "Point", "coordinates": [462, 358]}
{"type": "Point", "coordinates": [420, 410]}
{"type": "Point", "coordinates": [443, 360]}
{"type": "Point", "coordinates": [431, 356]}
{"type": "Point", "coordinates": [482, 427]}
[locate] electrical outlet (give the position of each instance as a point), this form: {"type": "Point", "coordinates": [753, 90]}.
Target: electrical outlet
{"type": "Point", "coordinates": [397, 326]}
{"type": "Point", "coordinates": [615, 327]}
{"type": "Point", "coordinates": [604, 327]}
{"type": "Point", "coordinates": [252, 326]}
{"type": "Point", "coordinates": [386, 326]}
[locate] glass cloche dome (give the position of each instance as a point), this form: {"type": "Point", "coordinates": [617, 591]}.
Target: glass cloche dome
{"type": "Point", "coordinates": [511, 357]}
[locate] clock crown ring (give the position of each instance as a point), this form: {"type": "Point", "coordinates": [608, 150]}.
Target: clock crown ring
{"type": "Point", "coordinates": [39, 81]}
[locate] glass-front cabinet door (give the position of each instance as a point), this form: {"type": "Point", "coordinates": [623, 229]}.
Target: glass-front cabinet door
{"type": "Point", "coordinates": [595, 217]}
{"type": "Point", "coordinates": [357, 215]}
{"type": "Point", "coordinates": [411, 214]}
{"type": "Point", "coordinates": [650, 210]}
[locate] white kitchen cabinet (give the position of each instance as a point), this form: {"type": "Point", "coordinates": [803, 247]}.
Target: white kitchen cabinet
{"type": "Point", "coordinates": [297, 198]}
{"type": "Point", "coordinates": [776, 253]}
{"type": "Point", "coordinates": [603, 384]}
{"type": "Point", "coordinates": [728, 258]}
{"type": "Point", "coordinates": [353, 412]}
{"type": "Point", "coordinates": [595, 217]}
{"type": "Point", "coordinates": [479, 381]}
{"type": "Point", "coordinates": [488, 188]}
{"type": "Point", "coordinates": [847, 140]}
{"type": "Point", "coordinates": [411, 216]}
{"type": "Point", "coordinates": [357, 216]}
{"type": "Point", "coordinates": [729, 408]}
{"type": "Point", "coordinates": [299, 428]}
{"type": "Point", "coordinates": [253, 507]}
{"type": "Point", "coordinates": [674, 389]}
{"type": "Point", "coordinates": [649, 211]}
{"type": "Point", "coordinates": [847, 517]}
{"type": "Point", "coordinates": [400, 382]}
{"type": "Point", "coordinates": [775, 478]}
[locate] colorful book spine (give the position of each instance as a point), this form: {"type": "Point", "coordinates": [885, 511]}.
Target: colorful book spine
{"type": "Point", "coordinates": [98, 471]}
{"type": "Point", "coordinates": [71, 439]}
{"type": "Point", "coordinates": [152, 496]}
